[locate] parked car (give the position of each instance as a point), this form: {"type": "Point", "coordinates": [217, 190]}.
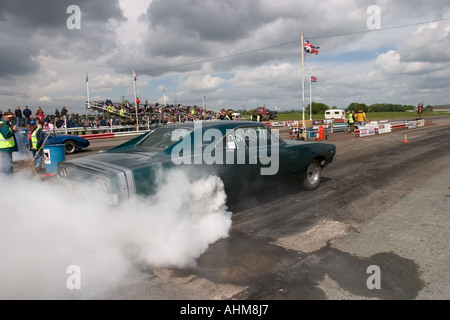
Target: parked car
{"type": "Point", "coordinates": [72, 143]}
{"type": "Point", "coordinates": [245, 155]}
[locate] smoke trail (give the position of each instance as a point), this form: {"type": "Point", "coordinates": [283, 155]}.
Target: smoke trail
{"type": "Point", "coordinates": [45, 230]}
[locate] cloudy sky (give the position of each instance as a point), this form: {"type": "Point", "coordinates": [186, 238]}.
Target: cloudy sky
{"type": "Point", "coordinates": [238, 53]}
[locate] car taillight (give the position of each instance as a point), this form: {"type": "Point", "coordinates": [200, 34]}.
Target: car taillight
{"type": "Point", "coordinates": [103, 184]}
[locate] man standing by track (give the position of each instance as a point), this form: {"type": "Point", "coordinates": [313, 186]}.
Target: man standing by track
{"type": "Point", "coordinates": [360, 117]}
{"type": "Point", "coordinates": [36, 138]}
{"type": "Point", "coordinates": [8, 143]}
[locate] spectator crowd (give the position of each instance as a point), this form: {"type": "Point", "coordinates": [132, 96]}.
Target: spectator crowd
{"type": "Point", "coordinates": [109, 113]}
{"type": "Point", "coordinates": [154, 113]}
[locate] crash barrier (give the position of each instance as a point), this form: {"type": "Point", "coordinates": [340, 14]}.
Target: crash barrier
{"type": "Point", "coordinates": [340, 127]}
{"type": "Point", "coordinates": [96, 130]}
{"type": "Point", "coordinates": [113, 134]}
{"type": "Point", "coordinates": [372, 128]}
{"type": "Point", "coordinates": [386, 126]}
{"type": "Point", "coordinates": [310, 133]}
{"type": "Point", "coordinates": [314, 131]}
{"type": "Point", "coordinates": [52, 155]}
{"type": "Point", "coordinates": [98, 135]}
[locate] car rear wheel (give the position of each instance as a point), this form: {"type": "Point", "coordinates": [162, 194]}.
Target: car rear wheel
{"type": "Point", "coordinates": [70, 146]}
{"type": "Point", "coordinates": [312, 176]}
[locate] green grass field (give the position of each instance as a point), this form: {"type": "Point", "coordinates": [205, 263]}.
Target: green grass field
{"type": "Point", "coordinates": [375, 116]}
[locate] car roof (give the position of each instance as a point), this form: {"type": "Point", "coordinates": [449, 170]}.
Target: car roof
{"type": "Point", "coordinates": [218, 124]}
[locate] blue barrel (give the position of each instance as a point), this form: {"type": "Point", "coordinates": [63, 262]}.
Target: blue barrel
{"type": "Point", "coordinates": [53, 154]}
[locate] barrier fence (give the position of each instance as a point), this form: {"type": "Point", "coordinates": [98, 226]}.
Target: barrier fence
{"type": "Point", "coordinates": [102, 131]}
{"type": "Point", "coordinates": [309, 130]}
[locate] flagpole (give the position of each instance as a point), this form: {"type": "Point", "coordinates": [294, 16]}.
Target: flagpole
{"type": "Point", "coordinates": [164, 97]}
{"type": "Point", "coordinates": [87, 95]}
{"type": "Point", "coordinates": [135, 99]}
{"type": "Point", "coordinates": [87, 90]}
{"type": "Point", "coordinates": [310, 97]}
{"type": "Point", "coordinates": [303, 87]}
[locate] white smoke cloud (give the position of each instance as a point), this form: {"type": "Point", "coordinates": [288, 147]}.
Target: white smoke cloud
{"type": "Point", "coordinates": [45, 229]}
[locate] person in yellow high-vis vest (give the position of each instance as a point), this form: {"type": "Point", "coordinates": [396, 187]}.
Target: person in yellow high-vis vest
{"type": "Point", "coordinates": [351, 121]}
{"type": "Point", "coordinates": [8, 143]}
{"type": "Point", "coordinates": [36, 138]}
{"type": "Point", "coordinates": [360, 117]}
{"type": "Point", "coordinates": [255, 116]}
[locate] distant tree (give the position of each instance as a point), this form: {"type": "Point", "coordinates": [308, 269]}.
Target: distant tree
{"type": "Point", "coordinates": [317, 108]}
{"type": "Point", "coordinates": [355, 106]}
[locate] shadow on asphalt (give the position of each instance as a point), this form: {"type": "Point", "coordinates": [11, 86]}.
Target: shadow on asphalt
{"type": "Point", "coordinates": [266, 194]}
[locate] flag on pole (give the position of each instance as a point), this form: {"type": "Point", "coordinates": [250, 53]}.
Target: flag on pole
{"type": "Point", "coordinates": [86, 77]}
{"type": "Point", "coordinates": [134, 75]}
{"type": "Point", "coordinates": [313, 79]}
{"type": "Point", "coordinates": [310, 48]}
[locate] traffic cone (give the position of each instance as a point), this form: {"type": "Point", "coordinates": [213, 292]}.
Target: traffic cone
{"type": "Point", "coordinates": [405, 140]}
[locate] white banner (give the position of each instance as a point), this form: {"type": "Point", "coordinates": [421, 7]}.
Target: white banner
{"type": "Point", "coordinates": [384, 127]}
{"type": "Point", "coordinates": [412, 124]}
{"type": "Point", "coordinates": [367, 131]}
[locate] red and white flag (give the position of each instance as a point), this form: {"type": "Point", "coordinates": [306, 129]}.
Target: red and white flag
{"type": "Point", "coordinates": [134, 75]}
{"type": "Point", "coordinates": [309, 48]}
{"type": "Point", "coordinates": [313, 79]}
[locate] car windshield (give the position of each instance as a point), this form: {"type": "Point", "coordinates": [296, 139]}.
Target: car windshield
{"type": "Point", "coordinates": [161, 138]}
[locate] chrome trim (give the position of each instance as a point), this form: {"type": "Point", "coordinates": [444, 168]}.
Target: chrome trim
{"type": "Point", "coordinates": [127, 185]}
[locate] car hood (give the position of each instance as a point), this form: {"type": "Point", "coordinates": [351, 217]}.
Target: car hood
{"type": "Point", "coordinates": [121, 159]}
{"type": "Point", "coordinates": [295, 142]}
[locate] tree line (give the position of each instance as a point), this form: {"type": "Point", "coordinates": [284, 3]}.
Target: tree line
{"type": "Point", "coordinates": [320, 108]}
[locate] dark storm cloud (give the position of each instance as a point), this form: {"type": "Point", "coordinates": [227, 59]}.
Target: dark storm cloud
{"type": "Point", "coordinates": [29, 29]}
{"type": "Point", "coordinates": [218, 21]}
{"type": "Point", "coordinates": [50, 14]}
{"type": "Point", "coordinates": [218, 32]}
{"type": "Point", "coordinates": [16, 62]}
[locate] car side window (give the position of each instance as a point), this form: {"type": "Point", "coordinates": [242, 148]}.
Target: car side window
{"type": "Point", "coordinates": [235, 140]}
{"type": "Point", "coordinates": [247, 137]}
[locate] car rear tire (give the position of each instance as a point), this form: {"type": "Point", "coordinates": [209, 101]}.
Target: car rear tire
{"type": "Point", "coordinates": [312, 176]}
{"type": "Point", "coordinates": [70, 146]}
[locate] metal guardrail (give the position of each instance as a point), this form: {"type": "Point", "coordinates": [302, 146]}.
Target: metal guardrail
{"type": "Point", "coordinates": [102, 129]}
{"type": "Point", "coordinates": [339, 127]}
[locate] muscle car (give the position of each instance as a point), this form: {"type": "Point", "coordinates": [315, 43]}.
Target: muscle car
{"type": "Point", "coordinates": [245, 155]}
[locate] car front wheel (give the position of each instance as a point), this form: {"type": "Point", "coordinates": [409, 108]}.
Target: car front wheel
{"type": "Point", "coordinates": [70, 147]}
{"type": "Point", "coordinates": [312, 176]}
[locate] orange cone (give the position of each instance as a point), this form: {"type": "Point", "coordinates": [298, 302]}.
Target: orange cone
{"type": "Point", "coordinates": [405, 140]}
